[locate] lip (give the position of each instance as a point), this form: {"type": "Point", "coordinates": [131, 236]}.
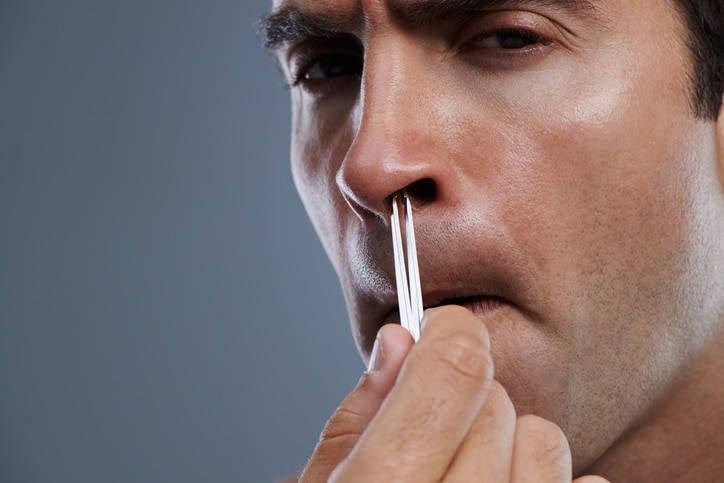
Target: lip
{"type": "Point", "coordinates": [478, 305]}
{"type": "Point", "coordinates": [484, 293]}
{"type": "Point", "coordinates": [484, 274]}
{"type": "Point", "coordinates": [502, 280]}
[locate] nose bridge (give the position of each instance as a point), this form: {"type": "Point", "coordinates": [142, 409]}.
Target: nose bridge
{"type": "Point", "coordinates": [394, 146]}
{"type": "Point", "coordinates": [393, 85]}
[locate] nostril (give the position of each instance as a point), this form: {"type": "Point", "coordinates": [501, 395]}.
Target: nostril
{"type": "Point", "coordinates": [423, 190]}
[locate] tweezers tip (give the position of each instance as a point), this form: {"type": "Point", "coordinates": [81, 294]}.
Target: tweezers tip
{"type": "Point", "coordinates": [407, 275]}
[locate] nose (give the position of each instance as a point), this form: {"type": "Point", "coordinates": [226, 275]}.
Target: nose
{"type": "Point", "coordinates": [399, 141]}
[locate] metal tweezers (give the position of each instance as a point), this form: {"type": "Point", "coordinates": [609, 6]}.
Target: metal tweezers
{"type": "Point", "coordinates": [409, 293]}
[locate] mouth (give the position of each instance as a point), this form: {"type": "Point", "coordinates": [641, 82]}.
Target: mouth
{"type": "Point", "coordinates": [478, 305]}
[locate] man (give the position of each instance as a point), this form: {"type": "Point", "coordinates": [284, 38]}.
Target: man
{"type": "Point", "coordinates": [565, 162]}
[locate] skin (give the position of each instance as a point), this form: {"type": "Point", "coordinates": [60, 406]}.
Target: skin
{"type": "Point", "coordinates": [567, 191]}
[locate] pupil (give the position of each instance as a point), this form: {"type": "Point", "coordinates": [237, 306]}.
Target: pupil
{"type": "Point", "coordinates": [508, 41]}
{"type": "Point", "coordinates": [331, 66]}
{"type": "Point", "coordinates": [336, 65]}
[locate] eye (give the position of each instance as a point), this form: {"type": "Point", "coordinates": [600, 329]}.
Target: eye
{"type": "Point", "coordinates": [507, 39]}
{"type": "Point", "coordinates": [327, 66]}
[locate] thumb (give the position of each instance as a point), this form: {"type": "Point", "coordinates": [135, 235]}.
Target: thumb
{"type": "Point", "coordinates": [351, 418]}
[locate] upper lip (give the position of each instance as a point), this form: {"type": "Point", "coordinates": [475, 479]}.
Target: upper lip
{"type": "Point", "coordinates": [442, 291]}
{"type": "Point", "coordinates": [451, 271]}
{"type": "Point", "coordinates": [464, 277]}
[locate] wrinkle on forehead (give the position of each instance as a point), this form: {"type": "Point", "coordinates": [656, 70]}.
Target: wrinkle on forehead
{"type": "Point", "coordinates": [293, 20]}
{"type": "Point", "coordinates": [419, 9]}
{"type": "Point", "coordinates": [420, 12]}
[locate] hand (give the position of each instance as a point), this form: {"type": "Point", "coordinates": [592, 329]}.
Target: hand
{"type": "Point", "coordinates": [432, 412]}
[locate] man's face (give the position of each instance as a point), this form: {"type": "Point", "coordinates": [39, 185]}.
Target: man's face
{"type": "Point", "coordinates": [562, 189]}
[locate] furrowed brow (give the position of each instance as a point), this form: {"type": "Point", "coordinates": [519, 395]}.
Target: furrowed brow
{"type": "Point", "coordinates": [425, 12]}
{"type": "Point", "coordinates": [293, 25]}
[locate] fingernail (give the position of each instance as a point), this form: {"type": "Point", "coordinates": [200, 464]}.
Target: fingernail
{"type": "Point", "coordinates": [377, 357]}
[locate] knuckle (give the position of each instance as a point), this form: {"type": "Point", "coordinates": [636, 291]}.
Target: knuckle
{"type": "Point", "coordinates": [547, 448]}
{"type": "Point", "coordinates": [545, 436]}
{"type": "Point", "coordinates": [463, 355]}
{"type": "Point", "coordinates": [343, 423]}
{"type": "Point", "coordinates": [499, 399]}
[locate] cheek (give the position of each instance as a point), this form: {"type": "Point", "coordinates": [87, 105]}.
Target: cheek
{"type": "Point", "coordinates": [604, 172]}
{"type": "Point", "coordinates": [319, 144]}
{"type": "Point", "coordinates": [612, 206]}
{"type": "Point", "coordinates": [611, 218]}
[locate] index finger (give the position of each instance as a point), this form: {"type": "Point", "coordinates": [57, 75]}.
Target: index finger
{"type": "Point", "coordinates": [426, 416]}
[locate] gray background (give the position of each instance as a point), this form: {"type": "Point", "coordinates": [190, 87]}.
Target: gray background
{"type": "Point", "coordinates": [166, 311]}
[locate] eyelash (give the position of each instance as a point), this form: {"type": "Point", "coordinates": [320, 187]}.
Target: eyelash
{"type": "Point", "coordinates": [299, 73]}
{"type": "Point", "coordinates": [314, 50]}
{"type": "Point", "coordinates": [526, 35]}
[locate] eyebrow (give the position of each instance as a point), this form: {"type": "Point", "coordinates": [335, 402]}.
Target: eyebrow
{"type": "Point", "coordinates": [294, 25]}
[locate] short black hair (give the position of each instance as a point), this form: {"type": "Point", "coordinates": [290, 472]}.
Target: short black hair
{"type": "Point", "coordinates": [704, 20]}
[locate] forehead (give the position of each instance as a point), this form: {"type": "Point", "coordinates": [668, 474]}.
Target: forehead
{"type": "Point", "coordinates": [352, 7]}
{"type": "Point", "coordinates": [413, 10]}
{"type": "Point", "coordinates": [291, 20]}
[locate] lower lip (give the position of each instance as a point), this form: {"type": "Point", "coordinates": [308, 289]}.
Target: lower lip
{"type": "Point", "coordinates": [482, 306]}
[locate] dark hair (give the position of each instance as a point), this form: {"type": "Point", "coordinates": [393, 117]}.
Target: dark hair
{"type": "Point", "coordinates": [704, 20]}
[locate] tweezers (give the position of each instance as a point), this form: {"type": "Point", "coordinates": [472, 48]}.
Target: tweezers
{"type": "Point", "coordinates": [409, 293]}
